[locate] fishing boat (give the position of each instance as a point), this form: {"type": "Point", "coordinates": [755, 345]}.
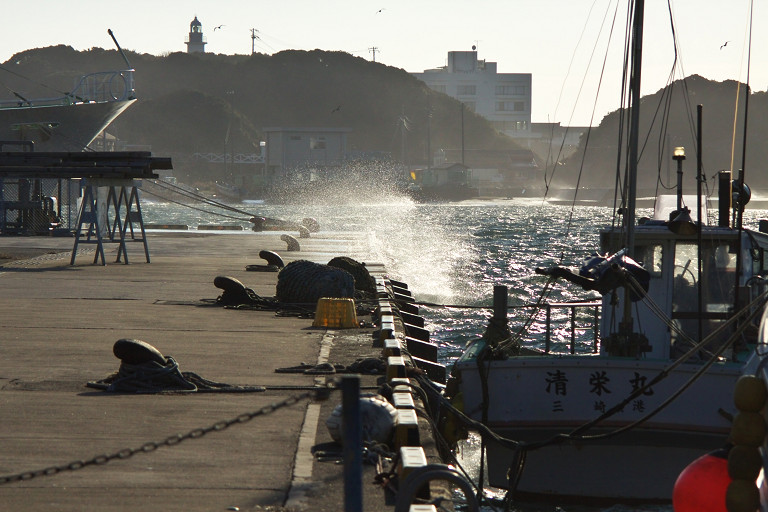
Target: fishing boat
{"type": "Point", "coordinates": [617, 420]}
{"type": "Point", "coordinates": [69, 122]}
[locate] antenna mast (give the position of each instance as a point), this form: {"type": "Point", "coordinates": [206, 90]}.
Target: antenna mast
{"type": "Point", "coordinates": [109, 31]}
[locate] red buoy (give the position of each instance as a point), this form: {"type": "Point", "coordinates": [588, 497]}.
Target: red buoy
{"type": "Point", "coordinates": [701, 486]}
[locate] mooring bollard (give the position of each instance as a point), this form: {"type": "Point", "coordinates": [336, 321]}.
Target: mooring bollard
{"type": "Point", "coordinates": [352, 432]}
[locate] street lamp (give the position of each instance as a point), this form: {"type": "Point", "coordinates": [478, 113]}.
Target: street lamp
{"type": "Point", "coordinates": [679, 155]}
{"type": "Point", "coordinates": [680, 221]}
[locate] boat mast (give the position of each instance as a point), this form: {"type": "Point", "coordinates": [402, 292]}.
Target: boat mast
{"type": "Point", "coordinates": [634, 123]}
{"type": "Point", "coordinates": [634, 128]}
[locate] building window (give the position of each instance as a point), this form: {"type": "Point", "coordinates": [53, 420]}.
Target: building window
{"type": "Point", "coordinates": [510, 126]}
{"type": "Point", "coordinates": [465, 90]}
{"type": "Point", "coordinates": [510, 90]}
{"type": "Point", "coordinates": [317, 143]}
{"type": "Point", "coordinates": [510, 106]}
{"type": "Point", "coordinates": [438, 88]}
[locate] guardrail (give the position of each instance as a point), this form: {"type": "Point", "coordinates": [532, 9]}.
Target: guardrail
{"type": "Point", "coordinates": [104, 86]}
{"type": "Point", "coordinates": [574, 308]}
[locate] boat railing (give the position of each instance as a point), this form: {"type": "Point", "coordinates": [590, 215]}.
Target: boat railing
{"type": "Point", "coordinates": [104, 86]}
{"type": "Point", "coordinates": [576, 312]}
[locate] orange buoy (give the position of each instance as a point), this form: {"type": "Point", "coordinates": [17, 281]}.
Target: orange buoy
{"type": "Point", "coordinates": [701, 486]}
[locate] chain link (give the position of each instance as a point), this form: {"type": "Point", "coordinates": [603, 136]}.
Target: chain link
{"type": "Point", "coordinates": [151, 446]}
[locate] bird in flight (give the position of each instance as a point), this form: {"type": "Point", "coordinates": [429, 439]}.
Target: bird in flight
{"type": "Point", "coordinates": [217, 28]}
{"type": "Point", "coordinates": [377, 12]}
{"type": "Point", "coordinates": [724, 45]}
{"type": "Point", "coordinates": [336, 109]}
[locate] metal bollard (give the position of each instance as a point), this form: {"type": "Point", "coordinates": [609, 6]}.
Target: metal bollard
{"type": "Point", "coordinates": [352, 431]}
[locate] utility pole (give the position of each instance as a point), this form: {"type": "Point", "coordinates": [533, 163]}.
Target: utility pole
{"type": "Point", "coordinates": [373, 50]}
{"type": "Point", "coordinates": [253, 40]}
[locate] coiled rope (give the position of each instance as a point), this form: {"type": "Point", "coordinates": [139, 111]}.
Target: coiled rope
{"type": "Point", "coordinates": [153, 377]}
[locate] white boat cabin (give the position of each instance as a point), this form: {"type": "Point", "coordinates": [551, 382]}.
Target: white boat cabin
{"type": "Point", "coordinates": [695, 289]}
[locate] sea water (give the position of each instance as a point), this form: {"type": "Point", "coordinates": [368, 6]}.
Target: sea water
{"type": "Point", "coordinates": [451, 256]}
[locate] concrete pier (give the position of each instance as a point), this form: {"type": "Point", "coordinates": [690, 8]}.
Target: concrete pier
{"type": "Point", "coordinates": [58, 324]}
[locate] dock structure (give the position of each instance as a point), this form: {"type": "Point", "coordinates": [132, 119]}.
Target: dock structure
{"type": "Point", "coordinates": [109, 209]}
{"type": "Point", "coordinates": [83, 165]}
{"type": "Point", "coordinates": [84, 449]}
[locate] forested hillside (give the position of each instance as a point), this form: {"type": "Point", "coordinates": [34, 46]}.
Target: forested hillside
{"type": "Point", "coordinates": [668, 119]}
{"type": "Point", "coordinates": [215, 103]}
{"type": "Point", "coordinates": [189, 102]}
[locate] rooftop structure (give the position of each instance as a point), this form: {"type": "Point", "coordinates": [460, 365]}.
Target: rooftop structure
{"type": "Point", "coordinates": [502, 98]}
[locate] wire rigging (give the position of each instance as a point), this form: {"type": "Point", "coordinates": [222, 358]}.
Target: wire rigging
{"type": "Point", "coordinates": [207, 200]}
{"type": "Point", "coordinates": [581, 87]}
{"type": "Point", "coordinates": [592, 118]}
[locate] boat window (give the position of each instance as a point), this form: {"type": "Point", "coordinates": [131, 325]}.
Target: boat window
{"type": "Point", "coordinates": [718, 275]}
{"type": "Point", "coordinates": [686, 271]}
{"type": "Point", "coordinates": [650, 256]}
{"type": "Point", "coordinates": [719, 261]}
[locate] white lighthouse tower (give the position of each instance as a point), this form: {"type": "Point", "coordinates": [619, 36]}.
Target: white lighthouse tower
{"type": "Point", "coordinates": [196, 40]}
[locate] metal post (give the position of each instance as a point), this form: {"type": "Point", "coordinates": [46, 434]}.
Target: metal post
{"type": "Point", "coordinates": [353, 443]}
{"type": "Point", "coordinates": [597, 330]}
{"type": "Point", "coordinates": [699, 178]}
{"type": "Point", "coordinates": [500, 297]}
{"type": "Point", "coordinates": [573, 329]}
{"type": "Point", "coordinates": [547, 335]}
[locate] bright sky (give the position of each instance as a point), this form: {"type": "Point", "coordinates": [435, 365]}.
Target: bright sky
{"type": "Point", "coordinates": [552, 39]}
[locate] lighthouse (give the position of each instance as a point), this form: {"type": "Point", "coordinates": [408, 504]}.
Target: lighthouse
{"type": "Point", "coordinates": [196, 40]}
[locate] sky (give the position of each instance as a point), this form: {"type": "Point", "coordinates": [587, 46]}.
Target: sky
{"type": "Point", "coordinates": [562, 43]}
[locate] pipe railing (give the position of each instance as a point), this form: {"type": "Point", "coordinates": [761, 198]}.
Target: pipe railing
{"type": "Point", "coordinates": [574, 308]}
{"type": "Point", "coordinates": [104, 86]}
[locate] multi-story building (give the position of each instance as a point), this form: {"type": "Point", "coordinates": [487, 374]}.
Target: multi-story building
{"type": "Point", "coordinates": [502, 98]}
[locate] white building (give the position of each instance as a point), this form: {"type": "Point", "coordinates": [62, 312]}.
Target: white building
{"type": "Point", "coordinates": [502, 98]}
{"type": "Point", "coordinates": [288, 149]}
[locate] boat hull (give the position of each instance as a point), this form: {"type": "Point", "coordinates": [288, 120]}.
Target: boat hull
{"type": "Point", "coordinates": [533, 399]}
{"type": "Point", "coordinates": [59, 127]}
{"type": "Point", "coordinates": [639, 466]}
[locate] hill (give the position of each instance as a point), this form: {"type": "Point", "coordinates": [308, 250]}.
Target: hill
{"type": "Point", "coordinates": [658, 138]}
{"type": "Point", "coordinates": [194, 102]}
{"type": "Point", "coordinates": [221, 103]}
